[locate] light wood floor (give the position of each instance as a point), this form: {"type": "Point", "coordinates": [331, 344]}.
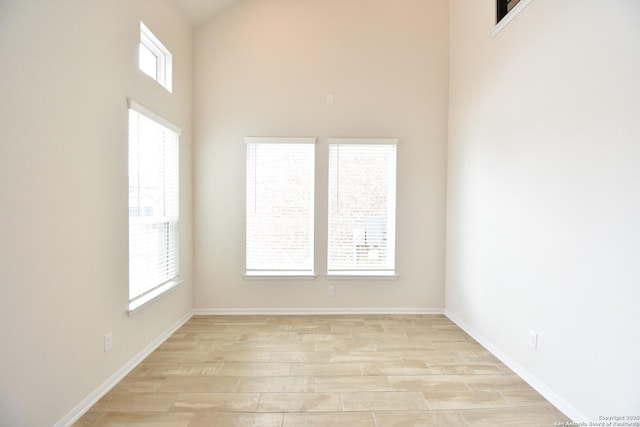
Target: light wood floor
{"type": "Point", "coordinates": [268, 371]}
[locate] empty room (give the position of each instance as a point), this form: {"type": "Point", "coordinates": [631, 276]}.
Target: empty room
{"type": "Point", "coordinates": [319, 212]}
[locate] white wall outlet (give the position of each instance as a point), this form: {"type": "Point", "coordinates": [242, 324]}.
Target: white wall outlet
{"type": "Point", "coordinates": [329, 98]}
{"type": "Point", "coordinates": [332, 291]}
{"type": "Point", "coordinates": [108, 341]}
{"type": "Point", "coordinates": [533, 339]}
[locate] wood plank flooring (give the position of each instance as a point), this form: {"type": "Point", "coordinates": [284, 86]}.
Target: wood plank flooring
{"type": "Point", "coordinates": [342, 370]}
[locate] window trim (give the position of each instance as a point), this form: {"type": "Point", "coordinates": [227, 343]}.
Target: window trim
{"type": "Point", "coordinates": [510, 16]}
{"type": "Point", "coordinates": [133, 105]}
{"type": "Point", "coordinates": [147, 298]}
{"type": "Point", "coordinates": [278, 275]}
{"type": "Point", "coordinates": [144, 299]}
{"type": "Point", "coordinates": [164, 66]}
{"type": "Point", "coordinates": [358, 276]}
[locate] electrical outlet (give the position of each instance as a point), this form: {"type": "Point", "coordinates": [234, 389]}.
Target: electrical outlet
{"type": "Point", "coordinates": [108, 341]}
{"type": "Point", "coordinates": [332, 291]}
{"type": "Point", "coordinates": [533, 339]}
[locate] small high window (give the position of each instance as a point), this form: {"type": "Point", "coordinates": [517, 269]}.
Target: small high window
{"type": "Point", "coordinates": [504, 7]}
{"type": "Point", "coordinates": [155, 60]}
{"type": "Point", "coordinates": [506, 11]}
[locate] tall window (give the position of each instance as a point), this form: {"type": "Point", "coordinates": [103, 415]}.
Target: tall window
{"type": "Point", "coordinates": [154, 59]}
{"type": "Point", "coordinates": [153, 205]}
{"type": "Point", "coordinates": [280, 196]}
{"type": "Point", "coordinates": [362, 204]}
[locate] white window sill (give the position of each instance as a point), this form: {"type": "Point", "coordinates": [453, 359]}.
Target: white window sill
{"type": "Point", "coordinates": [510, 16]}
{"type": "Point", "coordinates": [146, 299]}
{"type": "Point", "coordinates": [278, 276]}
{"type": "Point", "coordinates": [361, 276]}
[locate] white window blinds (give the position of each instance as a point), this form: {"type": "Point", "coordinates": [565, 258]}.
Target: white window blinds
{"type": "Point", "coordinates": [279, 209]}
{"type": "Point", "coordinates": [362, 205]}
{"type": "Point", "coordinates": [153, 202]}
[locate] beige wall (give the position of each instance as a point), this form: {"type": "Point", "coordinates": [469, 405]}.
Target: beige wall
{"type": "Point", "coordinates": [543, 194]}
{"type": "Point", "coordinates": [264, 68]}
{"type": "Point", "coordinates": [542, 203]}
{"type": "Point", "coordinates": [66, 70]}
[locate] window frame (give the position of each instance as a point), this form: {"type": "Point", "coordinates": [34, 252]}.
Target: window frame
{"type": "Point", "coordinates": [502, 20]}
{"type": "Point", "coordinates": [304, 273]}
{"type": "Point", "coordinates": [164, 63]}
{"type": "Point", "coordinates": [139, 300]}
{"type": "Point", "coordinates": [366, 274]}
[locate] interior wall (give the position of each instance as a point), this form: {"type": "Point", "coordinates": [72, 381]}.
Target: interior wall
{"type": "Point", "coordinates": [67, 68]}
{"type": "Point", "coordinates": [265, 68]}
{"type": "Point", "coordinates": [543, 200]}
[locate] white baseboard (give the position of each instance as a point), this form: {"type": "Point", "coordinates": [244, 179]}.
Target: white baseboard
{"type": "Point", "coordinates": [565, 407]}
{"type": "Point", "coordinates": [312, 311]}
{"type": "Point", "coordinates": [77, 412]}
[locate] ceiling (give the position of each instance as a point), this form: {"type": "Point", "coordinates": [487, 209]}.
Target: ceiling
{"type": "Point", "coordinates": [199, 11]}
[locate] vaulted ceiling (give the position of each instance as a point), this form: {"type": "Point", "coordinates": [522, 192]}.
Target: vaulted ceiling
{"type": "Point", "coordinates": [199, 11]}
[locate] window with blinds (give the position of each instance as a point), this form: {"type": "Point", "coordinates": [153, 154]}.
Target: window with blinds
{"type": "Point", "coordinates": [153, 205]}
{"type": "Point", "coordinates": [362, 206]}
{"type": "Point", "coordinates": [279, 206]}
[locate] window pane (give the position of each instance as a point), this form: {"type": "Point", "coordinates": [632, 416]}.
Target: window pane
{"type": "Point", "coordinates": [153, 204]}
{"type": "Point", "coordinates": [511, 4]}
{"type": "Point", "coordinates": [148, 62]}
{"type": "Point", "coordinates": [362, 197]}
{"type": "Point", "coordinates": [280, 188]}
